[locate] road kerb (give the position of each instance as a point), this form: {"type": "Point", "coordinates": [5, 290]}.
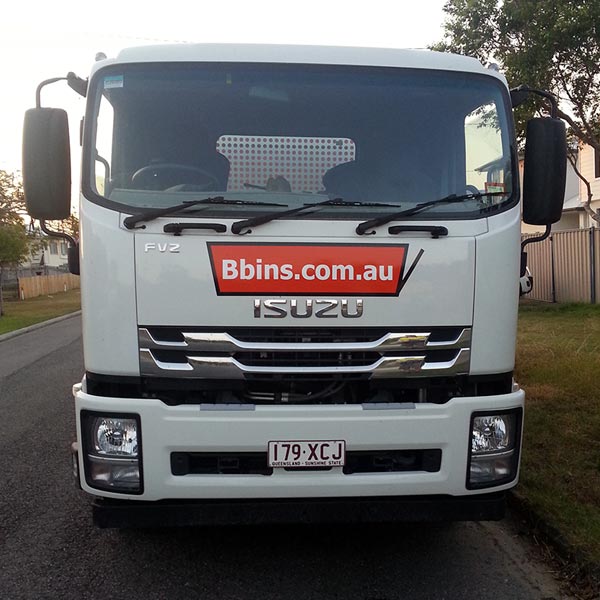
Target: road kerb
{"type": "Point", "coordinates": [22, 331]}
{"type": "Point", "coordinates": [585, 569]}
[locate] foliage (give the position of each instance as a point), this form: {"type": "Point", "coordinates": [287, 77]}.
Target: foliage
{"type": "Point", "coordinates": [14, 246]}
{"type": "Point", "coordinates": [14, 240]}
{"type": "Point", "coordinates": [552, 45]}
{"type": "Point", "coordinates": [12, 199]}
{"type": "Point", "coordinates": [69, 225]}
{"type": "Point", "coordinates": [13, 237]}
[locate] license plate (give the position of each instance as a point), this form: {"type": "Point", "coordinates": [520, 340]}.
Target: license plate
{"type": "Point", "coordinates": [320, 453]}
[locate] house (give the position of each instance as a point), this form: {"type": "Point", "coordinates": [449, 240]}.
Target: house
{"type": "Point", "coordinates": [589, 161]}
{"type": "Point", "coordinates": [45, 260]}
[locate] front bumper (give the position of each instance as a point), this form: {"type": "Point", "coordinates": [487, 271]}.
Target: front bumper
{"type": "Point", "coordinates": [193, 428]}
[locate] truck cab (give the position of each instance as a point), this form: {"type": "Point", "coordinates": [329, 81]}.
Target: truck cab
{"type": "Point", "coordinates": [300, 283]}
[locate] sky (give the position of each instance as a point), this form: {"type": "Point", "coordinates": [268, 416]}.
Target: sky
{"type": "Point", "coordinates": [42, 40]}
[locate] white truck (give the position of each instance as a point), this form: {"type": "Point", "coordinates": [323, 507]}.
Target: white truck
{"type": "Point", "coordinates": [299, 274]}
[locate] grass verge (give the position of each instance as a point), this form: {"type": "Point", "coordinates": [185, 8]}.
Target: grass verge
{"type": "Point", "coordinates": [558, 365]}
{"type": "Point", "coordinates": [22, 313]}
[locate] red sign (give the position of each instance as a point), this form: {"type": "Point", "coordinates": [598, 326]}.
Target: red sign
{"type": "Point", "coordinates": [303, 269]}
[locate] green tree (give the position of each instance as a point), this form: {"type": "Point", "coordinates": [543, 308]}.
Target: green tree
{"type": "Point", "coordinates": [14, 248]}
{"type": "Point", "coordinates": [12, 198]}
{"type": "Point", "coordinates": [552, 45]}
{"type": "Point", "coordinates": [15, 243]}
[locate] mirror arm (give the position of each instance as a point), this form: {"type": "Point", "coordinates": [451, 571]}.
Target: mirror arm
{"type": "Point", "coordinates": [532, 240]}
{"type": "Point", "coordinates": [75, 83]}
{"type": "Point", "coordinates": [547, 95]}
{"type": "Point", "coordinates": [38, 91]}
{"type": "Point", "coordinates": [539, 238]}
{"type": "Point", "coordinates": [59, 234]}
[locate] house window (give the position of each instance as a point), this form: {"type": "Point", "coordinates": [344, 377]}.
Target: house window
{"type": "Point", "coordinates": [596, 163]}
{"type": "Point", "coordinates": [53, 248]}
{"type": "Point", "coordinates": [63, 249]}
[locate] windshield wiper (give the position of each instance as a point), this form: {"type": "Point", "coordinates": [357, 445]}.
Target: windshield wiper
{"type": "Point", "coordinates": [363, 228]}
{"type": "Point", "coordinates": [130, 222]}
{"type": "Point", "coordinates": [239, 226]}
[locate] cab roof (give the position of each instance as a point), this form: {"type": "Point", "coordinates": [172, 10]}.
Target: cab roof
{"type": "Point", "coordinates": [321, 55]}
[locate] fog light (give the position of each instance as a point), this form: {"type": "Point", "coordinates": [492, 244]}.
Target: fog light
{"type": "Point", "coordinates": [114, 474]}
{"type": "Point", "coordinates": [111, 446]}
{"type": "Point", "coordinates": [494, 451]}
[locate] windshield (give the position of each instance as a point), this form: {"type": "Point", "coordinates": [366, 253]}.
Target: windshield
{"type": "Point", "coordinates": [163, 134]}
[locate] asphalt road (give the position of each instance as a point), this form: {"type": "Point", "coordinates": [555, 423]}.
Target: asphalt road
{"type": "Point", "coordinates": [50, 549]}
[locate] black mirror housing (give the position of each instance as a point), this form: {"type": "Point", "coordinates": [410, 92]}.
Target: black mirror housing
{"type": "Point", "coordinates": [73, 258]}
{"type": "Point", "coordinates": [47, 163]}
{"type": "Point", "coordinates": [545, 171]}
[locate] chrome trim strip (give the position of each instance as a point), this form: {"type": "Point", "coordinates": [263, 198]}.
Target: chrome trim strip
{"type": "Point", "coordinates": [224, 342]}
{"type": "Point", "coordinates": [224, 367]}
{"type": "Point", "coordinates": [147, 341]}
{"type": "Point", "coordinates": [149, 364]}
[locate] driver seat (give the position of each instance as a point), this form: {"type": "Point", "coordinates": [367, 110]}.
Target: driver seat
{"type": "Point", "coordinates": [218, 164]}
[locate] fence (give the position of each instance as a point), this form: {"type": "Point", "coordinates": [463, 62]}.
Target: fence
{"type": "Point", "coordinates": [566, 266]}
{"type": "Point", "coordinates": [30, 287]}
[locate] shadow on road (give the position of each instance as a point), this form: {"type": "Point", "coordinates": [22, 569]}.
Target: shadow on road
{"type": "Point", "coordinates": [373, 562]}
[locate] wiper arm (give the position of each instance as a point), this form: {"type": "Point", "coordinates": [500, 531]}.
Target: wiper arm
{"type": "Point", "coordinates": [239, 226]}
{"type": "Point", "coordinates": [363, 228]}
{"type": "Point", "coordinates": [130, 222]}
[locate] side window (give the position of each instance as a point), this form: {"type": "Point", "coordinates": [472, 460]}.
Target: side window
{"type": "Point", "coordinates": [485, 168]}
{"type": "Point", "coordinates": [596, 164]}
{"type": "Point", "coordinates": [104, 136]}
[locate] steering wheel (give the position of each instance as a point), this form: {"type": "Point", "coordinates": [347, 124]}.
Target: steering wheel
{"type": "Point", "coordinates": [161, 176]}
{"type": "Point", "coordinates": [471, 189]}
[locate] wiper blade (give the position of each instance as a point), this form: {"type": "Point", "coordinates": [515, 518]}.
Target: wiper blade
{"type": "Point", "coordinates": [239, 226]}
{"type": "Point", "coordinates": [365, 227]}
{"type": "Point", "coordinates": [133, 220]}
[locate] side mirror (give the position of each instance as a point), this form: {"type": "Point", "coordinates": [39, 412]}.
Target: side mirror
{"type": "Point", "coordinates": [47, 164]}
{"type": "Point", "coordinates": [545, 171]}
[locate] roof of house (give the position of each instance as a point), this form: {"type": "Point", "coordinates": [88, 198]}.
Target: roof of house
{"type": "Point", "coordinates": [573, 203]}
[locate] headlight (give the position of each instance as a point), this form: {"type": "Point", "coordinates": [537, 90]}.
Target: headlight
{"type": "Point", "coordinates": [112, 452]}
{"type": "Point", "coordinates": [115, 437]}
{"type": "Point", "coordinates": [494, 451]}
{"type": "Point", "coordinates": [492, 433]}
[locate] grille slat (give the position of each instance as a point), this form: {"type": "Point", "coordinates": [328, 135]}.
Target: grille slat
{"type": "Point", "coordinates": [239, 353]}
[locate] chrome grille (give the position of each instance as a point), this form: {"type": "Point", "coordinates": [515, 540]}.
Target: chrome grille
{"type": "Point", "coordinates": [239, 353]}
